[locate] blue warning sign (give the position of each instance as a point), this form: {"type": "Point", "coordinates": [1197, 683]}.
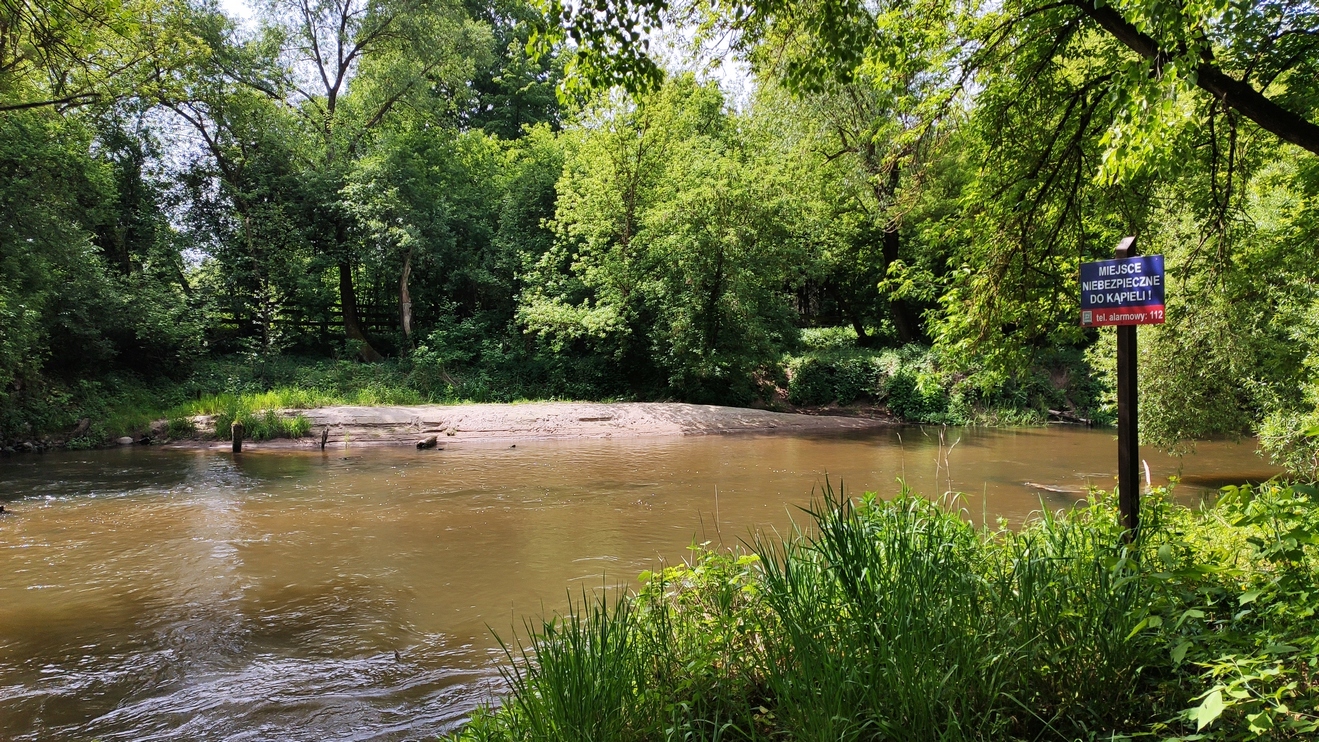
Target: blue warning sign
{"type": "Point", "coordinates": [1123, 291]}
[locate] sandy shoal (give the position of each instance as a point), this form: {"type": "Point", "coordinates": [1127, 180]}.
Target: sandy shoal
{"type": "Point", "coordinates": [406, 425]}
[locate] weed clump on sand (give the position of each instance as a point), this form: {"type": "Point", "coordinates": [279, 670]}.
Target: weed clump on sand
{"type": "Point", "coordinates": [898, 620]}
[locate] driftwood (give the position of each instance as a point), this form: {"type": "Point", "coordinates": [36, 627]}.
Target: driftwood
{"type": "Point", "coordinates": [1066, 417]}
{"type": "Point", "coordinates": [430, 442]}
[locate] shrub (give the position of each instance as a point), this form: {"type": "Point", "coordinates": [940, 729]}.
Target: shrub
{"type": "Point", "coordinates": [1292, 441]}
{"type": "Point", "coordinates": [904, 380]}
{"type": "Point", "coordinates": [842, 378]}
{"type": "Point", "coordinates": [181, 426]}
{"type": "Point", "coordinates": [259, 424]}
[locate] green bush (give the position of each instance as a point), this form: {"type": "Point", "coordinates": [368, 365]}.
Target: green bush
{"type": "Point", "coordinates": [829, 378]}
{"type": "Point", "coordinates": [181, 426]}
{"type": "Point", "coordinates": [905, 380]}
{"type": "Point", "coordinates": [914, 385]}
{"type": "Point", "coordinates": [828, 338]}
{"type": "Point", "coordinates": [1292, 440]}
{"type": "Point", "coordinates": [897, 620]}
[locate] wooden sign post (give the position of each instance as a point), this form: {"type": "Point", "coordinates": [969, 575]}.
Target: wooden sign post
{"type": "Point", "coordinates": [1128, 419]}
{"type": "Point", "coordinates": [1125, 292]}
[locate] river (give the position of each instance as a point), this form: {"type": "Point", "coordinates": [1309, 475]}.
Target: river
{"type": "Point", "coordinates": [150, 594]}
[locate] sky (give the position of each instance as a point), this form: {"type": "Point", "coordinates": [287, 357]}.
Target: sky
{"type": "Point", "coordinates": [733, 76]}
{"type": "Point", "coordinates": [239, 10]}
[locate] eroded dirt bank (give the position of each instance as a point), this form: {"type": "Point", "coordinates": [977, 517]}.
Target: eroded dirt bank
{"type": "Point", "coordinates": [512, 422]}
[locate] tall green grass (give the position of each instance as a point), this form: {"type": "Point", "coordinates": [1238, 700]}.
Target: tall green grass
{"type": "Point", "coordinates": [898, 620]}
{"type": "Point", "coordinates": [261, 425]}
{"type": "Point", "coordinates": [263, 413]}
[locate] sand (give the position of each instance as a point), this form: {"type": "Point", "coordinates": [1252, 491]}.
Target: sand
{"type": "Point", "coordinates": [493, 423]}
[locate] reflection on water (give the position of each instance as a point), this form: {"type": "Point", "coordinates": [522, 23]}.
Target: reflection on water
{"type": "Point", "coordinates": [171, 595]}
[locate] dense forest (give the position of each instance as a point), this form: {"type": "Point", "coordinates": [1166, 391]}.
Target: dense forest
{"type": "Point", "coordinates": [490, 200]}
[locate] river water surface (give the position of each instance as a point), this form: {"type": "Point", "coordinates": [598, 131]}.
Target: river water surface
{"type": "Point", "coordinates": [151, 594]}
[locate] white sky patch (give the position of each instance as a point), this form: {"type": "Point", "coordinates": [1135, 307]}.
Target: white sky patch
{"type": "Point", "coordinates": [676, 53]}
{"type": "Point", "coordinates": [240, 11]}
{"type": "Point", "coordinates": [679, 52]}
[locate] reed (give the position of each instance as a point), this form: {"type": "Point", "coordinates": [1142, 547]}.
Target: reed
{"type": "Point", "coordinates": [899, 620]}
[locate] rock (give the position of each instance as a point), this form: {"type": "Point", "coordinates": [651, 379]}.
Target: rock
{"type": "Point", "coordinates": [451, 431]}
{"type": "Point", "coordinates": [430, 442]}
{"type": "Point", "coordinates": [8, 451]}
{"type": "Point", "coordinates": [82, 427]}
{"type": "Point", "coordinates": [125, 441]}
{"type": "Point", "coordinates": [28, 447]}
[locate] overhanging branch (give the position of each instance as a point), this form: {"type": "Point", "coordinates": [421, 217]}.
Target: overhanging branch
{"type": "Point", "coordinates": [1249, 102]}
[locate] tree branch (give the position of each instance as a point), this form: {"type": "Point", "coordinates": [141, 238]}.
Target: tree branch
{"type": "Point", "coordinates": [1249, 102]}
{"type": "Point", "coordinates": [76, 99]}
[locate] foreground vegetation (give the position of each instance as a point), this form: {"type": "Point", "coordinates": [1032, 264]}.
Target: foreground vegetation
{"type": "Point", "coordinates": [899, 620]}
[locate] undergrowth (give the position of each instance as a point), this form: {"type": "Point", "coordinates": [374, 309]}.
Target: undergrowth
{"type": "Point", "coordinates": [898, 620]}
{"type": "Point", "coordinates": [914, 384]}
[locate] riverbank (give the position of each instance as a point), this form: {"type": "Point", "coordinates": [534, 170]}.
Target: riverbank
{"type": "Point", "coordinates": [269, 396]}
{"type": "Point", "coordinates": [451, 424]}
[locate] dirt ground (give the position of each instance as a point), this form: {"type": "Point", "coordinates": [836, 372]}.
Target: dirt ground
{"type": "Point", "coordinates": [544, 420]}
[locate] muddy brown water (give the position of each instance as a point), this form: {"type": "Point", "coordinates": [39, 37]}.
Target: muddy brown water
{"type": "Point", "coordinates": [148, 594]}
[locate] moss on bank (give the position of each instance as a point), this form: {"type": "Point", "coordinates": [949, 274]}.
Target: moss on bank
{"type": "Point", "coordinates": [897, 620]}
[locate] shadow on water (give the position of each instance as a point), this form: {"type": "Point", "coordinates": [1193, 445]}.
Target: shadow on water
{"type": "Point", "coordinates": [189, 595]}
{"type": "Point", "coordinates": [78, 473]}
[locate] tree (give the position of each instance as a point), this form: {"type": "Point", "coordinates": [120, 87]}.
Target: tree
{"type": "Point", "coordinates": [673, 254]}
{"type": "Point", "coordinates": [336, 72]}
{"type": "Point", "coordinates": [517, 90]}
{"type": "Point", "coordinates": [389, 53]}
{"type": "Point", "coordinates": [69, 53]}
{"type": "Point", "coordinates": [1257, 59]}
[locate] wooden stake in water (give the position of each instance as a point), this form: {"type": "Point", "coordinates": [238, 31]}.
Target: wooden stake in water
{"type": "Point", "coordinates": [1128, 430]}
{"type": "Point", "coordinates": [236, 435]}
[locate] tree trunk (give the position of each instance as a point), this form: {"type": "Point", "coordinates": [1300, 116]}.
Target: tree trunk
{"type": "Point", "coordinates": [261, 305]}
{"type": "Point", "coordinates": [904, 320]}
{"type": "Point", "coordinates": [712, 305]}
{"type": "Point", "coordinates": [352, 326]}
{"type": "Point", "coordinates": [405, 300]}
{"type": "Point", "coordinates": [863, 339]}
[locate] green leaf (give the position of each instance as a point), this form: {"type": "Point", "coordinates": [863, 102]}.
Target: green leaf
{"type": "Point", "coordinates": [1211, 708]}
{"type": "Point", "coordinates": [1179, 652]}
{"type": "Point", "coordinates": [1280, 648]}
{"type": "Point", "coordinates": [1250, 596]}
{"type": "Point", "coordinates": [1261, 722]}
{"type": "Point", "coordinates": [1189, 613]}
